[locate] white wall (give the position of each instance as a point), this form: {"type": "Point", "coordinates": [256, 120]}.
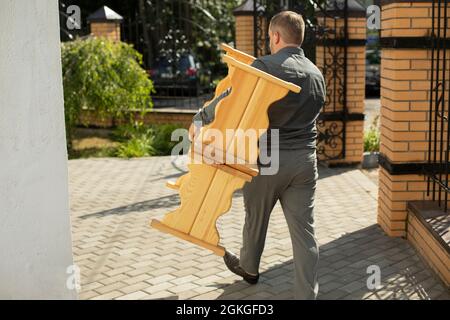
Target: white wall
{"type": "Point", "coordinates": [35, 241]}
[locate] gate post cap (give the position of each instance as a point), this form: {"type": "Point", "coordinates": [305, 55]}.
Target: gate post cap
{"type": "Point", "coordinates": [246, 9]}
{"type": "Point", "coordinates": [336, 8]}
{"type": "Point", "coordinates": [104, 14]}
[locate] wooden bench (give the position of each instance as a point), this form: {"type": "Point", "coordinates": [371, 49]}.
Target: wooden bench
{"type": "Point", "coordinates": [206, 190]}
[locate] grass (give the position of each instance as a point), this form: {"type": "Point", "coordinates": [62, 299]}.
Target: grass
{"type": "Point", "coordinates": [93, 143]}
{"type": "Point", "coordinates": [372, 137]}
{"type": "Point", "coordinates": [127, 141]}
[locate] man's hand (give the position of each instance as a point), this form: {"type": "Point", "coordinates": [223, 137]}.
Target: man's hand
{"type": "Point", "coordinates": [193, 132]}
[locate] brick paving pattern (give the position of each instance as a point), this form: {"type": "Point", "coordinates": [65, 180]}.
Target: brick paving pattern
{"type": "Point", "coordinates": [121, 257]}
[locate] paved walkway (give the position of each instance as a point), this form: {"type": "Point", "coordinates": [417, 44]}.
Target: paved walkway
{"type": "Point", "coordinates": [121, 257]}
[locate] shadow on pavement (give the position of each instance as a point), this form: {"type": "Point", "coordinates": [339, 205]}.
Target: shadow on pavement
{"type": "Point", "coordinates": [144, 206]}
{"type": "Point", "coordinates": [344, 273]}
{"type": "Point", "coordinates": [173, 199]}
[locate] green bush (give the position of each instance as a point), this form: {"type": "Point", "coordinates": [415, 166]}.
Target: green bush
{"type": "Point", "coordinates": [136, 147]}
{"type": "Point", "coordinates": [131, 130]}
{"type": "Point", "coordinates": [372, 138]}
{"type": "Point", "coordinates": [105, 77]}
{"type": "Point", "coordinates": [139, 140]}
{"type": "Point", "coordinates": [162, 138]}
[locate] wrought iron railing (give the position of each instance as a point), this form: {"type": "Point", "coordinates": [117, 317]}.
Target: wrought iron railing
{"type": "Point", "coordinates": [437, 170]}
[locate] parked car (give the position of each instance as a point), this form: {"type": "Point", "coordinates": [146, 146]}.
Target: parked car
{"type": "Point", "coordinates": [373, 72]}
{"type": "Point", "coordinates": [171, 78]}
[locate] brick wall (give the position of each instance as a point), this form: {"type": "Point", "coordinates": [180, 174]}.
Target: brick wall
{"type": "Point", "coordinates": [109, 30]}
{"type": "Point", "coordinates": [405, 120]}
{"type": "Point", "coordinates": [406, 19]}
{"type": "Point", "coordinates": [393, 194]}
{"type": "Point", "coordinates": [428, 247]}
{"type": "Point", "coordinates": [154, 117]}
{"type": "Point", "coordinates": [405, 85]}
{"type": "Point", "coordinates": [244, 34]}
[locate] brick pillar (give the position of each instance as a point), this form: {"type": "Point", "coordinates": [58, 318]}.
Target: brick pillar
{"type": "Point", "coordinates": [405, 85]}
{"type": "Point", "coordinates": [107, 30]}
{"type": "Point", "coordinates": [245, 27]}
{"type": "Point", "coordinates": [105, 23]}
{"type": "Point", "coordinates": [331, 123]}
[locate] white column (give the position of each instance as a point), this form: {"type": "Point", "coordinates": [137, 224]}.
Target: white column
{"type": "Point", "coordinates": [35, 235]}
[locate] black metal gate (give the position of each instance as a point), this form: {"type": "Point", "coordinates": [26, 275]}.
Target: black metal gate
{"type": "Point", "coordinates": [179, 40]}
{"type": "Point", "coordinates": [437, 169]}
{"type": "Point", "coordinates": [162, 30]}
{"type": "Point", "coordinates": [325, 43]}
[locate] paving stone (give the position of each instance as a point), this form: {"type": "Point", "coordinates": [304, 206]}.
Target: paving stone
{"type": "Point", "coordinates": [133, 296]}
{"type": "Point", "coordinates": [354, 286]}
{"type": "Point", "coordinates": [86, 295]}
{"type": "Point", "coordinates": [333, 295]}
{"type": "Point", "coordinates": [111, 287]}
{"type": "Point", "coordinates": [108, 296]}
{"type": "Point", "coordinates": [134, 287]}
{"type": "Point", "coordinates": [159, 287]}
{"type": "Point", "coordinates": [182, 280]}
{"type": "Point", "coordinates": [330, 286]}
{"type": "Point", "coordinates": [182, 287]}
{"type": "Point", "coordinates": [141, 278]}
{"type": "Point", "coordinates": [160, 279]}
{"type": "Point", "coordinates": [121, 257]}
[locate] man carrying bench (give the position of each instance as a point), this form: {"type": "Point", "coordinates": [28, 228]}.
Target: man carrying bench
{"type": "Point", "coordinates": [294, 183]}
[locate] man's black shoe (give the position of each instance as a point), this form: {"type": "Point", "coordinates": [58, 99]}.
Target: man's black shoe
{"type": "Point", "coordinates": [232, 262]}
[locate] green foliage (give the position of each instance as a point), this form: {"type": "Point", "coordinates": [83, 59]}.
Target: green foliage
{"type": "Point", "coordinates": [372, 138]}
{"type": "Point", "coordinates": [162, 139]}
{"type": "Point", "coordinates": [130, 130]}
{"type": "Point", "coordinates": [191, 26]}
{"type": "Point", "coordinates": [139, 140]}
{"type": "Point", "coordinates": [213, 32]}
{"type": "Point", "coordinates": [105, 77]}
{"type": "Point", "coordinates": [140, 146]}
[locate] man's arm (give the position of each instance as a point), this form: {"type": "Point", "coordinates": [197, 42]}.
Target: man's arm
{"type": "Point", "coordinates": [206, 115]}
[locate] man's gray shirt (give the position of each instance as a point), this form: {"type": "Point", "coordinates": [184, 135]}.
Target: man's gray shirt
{"type": "Point", "coordinates": [294, 115]}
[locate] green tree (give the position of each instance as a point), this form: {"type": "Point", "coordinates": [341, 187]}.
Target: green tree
{"type": "Point", "coordinates": [104, 77]}
{"type": "Point", "coordinates": [174, 27]}
{"type": "Point", "coordinates": [215, 24]}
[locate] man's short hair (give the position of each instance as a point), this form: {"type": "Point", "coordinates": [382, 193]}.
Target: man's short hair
{"type": "Point", "coordinates": [290, 25]}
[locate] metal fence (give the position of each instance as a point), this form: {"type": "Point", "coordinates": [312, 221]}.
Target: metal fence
{"type": "Point", "coordinates": [167, 33]}
{"type": "Point", "coordinates": [437, 169]}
